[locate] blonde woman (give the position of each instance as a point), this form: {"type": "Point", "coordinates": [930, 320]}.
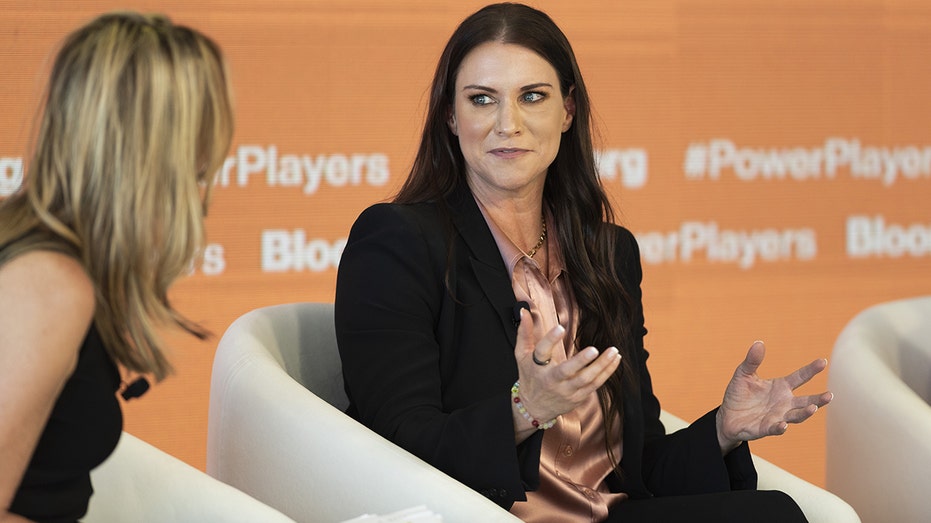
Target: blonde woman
{"type": "Point", "coordinates": [137, 114]}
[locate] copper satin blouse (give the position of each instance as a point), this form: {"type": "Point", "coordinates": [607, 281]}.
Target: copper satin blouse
{"type": "Point", "coordinates": [573, 461]}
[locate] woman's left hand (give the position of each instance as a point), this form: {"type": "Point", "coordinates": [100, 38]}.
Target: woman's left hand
{"type": "Point", "coordinates": [754, 408]}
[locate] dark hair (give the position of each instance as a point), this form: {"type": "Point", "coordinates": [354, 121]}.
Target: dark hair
{"type": "Point", "coordinates": [572, 192]}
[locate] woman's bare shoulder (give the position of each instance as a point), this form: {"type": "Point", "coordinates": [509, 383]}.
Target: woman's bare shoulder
{"type": "Point", "coordinates": [49, 285]}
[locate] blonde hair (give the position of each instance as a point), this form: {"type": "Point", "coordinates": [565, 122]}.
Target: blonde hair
{"type": "Point", "coordinates": [138, 112]}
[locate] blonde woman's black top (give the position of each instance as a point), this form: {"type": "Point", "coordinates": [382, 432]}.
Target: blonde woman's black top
{"type": "Point", "coordinates": [82, 431]}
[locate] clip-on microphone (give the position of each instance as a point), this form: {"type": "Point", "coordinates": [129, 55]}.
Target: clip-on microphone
{"type": "Point", "coordinates": [135, 389]}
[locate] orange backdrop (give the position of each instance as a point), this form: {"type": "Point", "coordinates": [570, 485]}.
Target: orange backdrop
{"type": "Point", "coordinates": [773, 161]}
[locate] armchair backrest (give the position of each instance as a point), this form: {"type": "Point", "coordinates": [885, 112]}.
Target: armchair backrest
{"type": "Point", "coordinates": [302, 338]}
{"type": "Point", "coordinates": [277, 431]}
{"type": "Point", "coordinates": [879, 424]}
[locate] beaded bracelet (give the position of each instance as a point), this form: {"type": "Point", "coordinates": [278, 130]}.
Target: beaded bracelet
{"type": "Point", "coordinates": [515, 389]}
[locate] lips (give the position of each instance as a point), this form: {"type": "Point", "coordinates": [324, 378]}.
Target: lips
{"type": "Point", "coordinates": [508, 152]}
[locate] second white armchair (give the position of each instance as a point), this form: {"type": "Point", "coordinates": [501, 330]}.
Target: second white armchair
{"type": "Point", "coordinates": [879, 424]}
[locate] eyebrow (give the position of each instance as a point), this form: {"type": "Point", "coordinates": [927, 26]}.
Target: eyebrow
{"type": "Point", "coordinates": [529, 87]}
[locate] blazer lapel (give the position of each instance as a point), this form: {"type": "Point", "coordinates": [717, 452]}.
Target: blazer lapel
{"type": "Point", "coordinates": [485, 259]}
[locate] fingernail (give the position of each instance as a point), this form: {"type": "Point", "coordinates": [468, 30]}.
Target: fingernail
{"type": "Point", "coordinates": [613, 352]}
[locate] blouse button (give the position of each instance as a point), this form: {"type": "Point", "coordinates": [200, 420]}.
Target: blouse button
{"type": "Point", "coordinates": [567, 451]}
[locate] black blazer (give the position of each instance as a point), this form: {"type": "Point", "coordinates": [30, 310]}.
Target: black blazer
{"type": "Point", "coordinates": [431, 370]}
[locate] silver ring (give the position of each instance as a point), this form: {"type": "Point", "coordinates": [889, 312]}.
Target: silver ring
{"type": "Point", "coordinates": [538, 362]}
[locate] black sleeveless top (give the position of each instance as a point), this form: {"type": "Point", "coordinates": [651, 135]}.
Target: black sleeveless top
{"type": "Point", "coordinates": [83, 429]}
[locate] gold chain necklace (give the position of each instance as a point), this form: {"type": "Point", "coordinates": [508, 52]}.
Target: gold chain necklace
{"type": "Point", "coordinates": [540, 242]}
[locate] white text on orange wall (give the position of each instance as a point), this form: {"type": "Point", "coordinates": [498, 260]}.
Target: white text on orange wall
{"type": "Point", "coordinates": [305, 171]}
{"type": "Point", "coordinates": [872, 236]}
{"type": "Point", "coordinates": [211, 263]}
{"type": "Point", "coordinates": [744, 248]}
{"type": "Point", "coordinates": [629, 166]}
{"type": "Point", "coordinates": [293, 251]}
{"type": "Point", "coordinates": [709, 160]}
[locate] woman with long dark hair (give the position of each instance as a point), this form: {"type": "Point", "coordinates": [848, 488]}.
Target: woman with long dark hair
{"type": "Point", "coordinates": [490, 319]}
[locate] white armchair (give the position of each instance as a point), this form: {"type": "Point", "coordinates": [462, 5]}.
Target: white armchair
{"type": "Point", "coordinates": [879, 424]}
{"type": "Point", "coordinates": [142, 484]}
{"type": "Point", "coordinates": [296, 451]}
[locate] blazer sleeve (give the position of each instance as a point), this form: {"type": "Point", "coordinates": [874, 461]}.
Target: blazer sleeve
{"type": "Point", "coordinates": [687, 461]}
{"type": "Point", "coordinates": [390, 296]}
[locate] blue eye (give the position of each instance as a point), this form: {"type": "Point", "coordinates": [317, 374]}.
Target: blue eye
{"type": "Point", "coordinates": [481, 99]}
{"type": "Point", "coordinates": [533, 96]}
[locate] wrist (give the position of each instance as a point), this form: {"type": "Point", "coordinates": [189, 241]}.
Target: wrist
{"type": "Point", "coordinates": [522, 409]}
{"type": "Point", "coordinates": [726, 443]}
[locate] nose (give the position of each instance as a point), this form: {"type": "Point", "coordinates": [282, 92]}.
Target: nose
{"type": "Point", "coordinates": [508, 122]}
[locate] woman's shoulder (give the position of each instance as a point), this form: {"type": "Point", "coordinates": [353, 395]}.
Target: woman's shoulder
{"type": "Point", "coordinates": [626, 252]}
{"type": "Point", "coordinates": [418, 230]}
{"type": "Point", "coordinates": [53, 282]}
{"type": "Point", "coordinates": [403, 209]}
{"type": "Point", "coordinates": [622, 236]}
{"type": "Point", "coordinates": [383, 215]}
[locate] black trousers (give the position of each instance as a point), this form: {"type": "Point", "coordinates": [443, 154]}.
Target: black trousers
{"type": "Point", "coordinates": [738, 506]}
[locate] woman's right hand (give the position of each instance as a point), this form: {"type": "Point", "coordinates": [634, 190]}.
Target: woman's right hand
{"type": "Point", "coordinates": [548, 391]}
